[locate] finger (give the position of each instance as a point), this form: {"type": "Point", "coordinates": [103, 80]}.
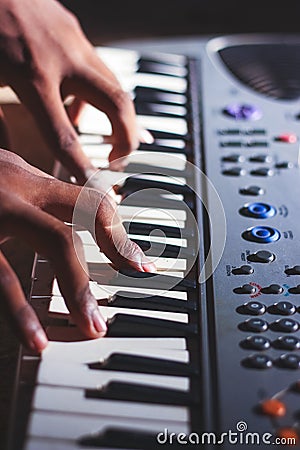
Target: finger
{"type": "Point", "coordinates": [22, 317]}
{"type": "Point", "coordinates": [74, 110]}
{"type": "Point", "coordinates": [53, 239]}
{"type": "Point", "coordinates": [106, 94]}
{"type": "Point", "coordinates": [97, 213]}
{"type": "Point", "coordinates": [45, 103]}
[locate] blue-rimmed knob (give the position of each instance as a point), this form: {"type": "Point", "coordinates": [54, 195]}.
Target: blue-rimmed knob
{"type": "Point", "coordinates": [261, 234]}
{"type": "Point", "coordinates": [258, 210]}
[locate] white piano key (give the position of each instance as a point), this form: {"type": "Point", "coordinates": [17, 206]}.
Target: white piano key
{"type": "Point", "coordinates": [73, 427]}
{"type": "Point", "coordinates": [93, 255]}
{"type": "Point", "coordinates": [100, 349]}
{"type": "Point", "coordinates": [169, 124]}
{"type": "Point", "coordinates": [68, 400]}
{"type": "Point", "coordinates": [105, 291]}
{"type": "Point", "coordinates": [81, 376]}
{"type": "Point", "coordinates": [149, 214]}
{"type": "Point", "coordinates": [157, 81]}
{"type": "Point", "coordinates": [58, 306]}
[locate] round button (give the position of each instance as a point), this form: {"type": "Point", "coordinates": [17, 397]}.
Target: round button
{"type": "Point", "coordinates": [252, 190]}
{"type": "Point", "coordinates": [272, 289]}
{"type": "Point", "coordinates": [287, 343]}
{"type": "Point", "coordinates": [262, 256]}
{"type": "Point", "coordinates": [283, 308]}
{"type": "Point", "coordinates": [258, 210]}
{"type": "Point", "coordinates": [261, 158]}
{"type": "Point", "coordinates": [273, 407]}
{"type": "Point", "coordinates": [289, 361]}
{"type": "Point", "coordinates": [261, 234]}
{"type": "Point", "coordinates": [256, 343]}
{"type": "Point", "coordinates": [288, 138]}
{"type": "Point", "coordinates": [240, 111]}
{"type": "Point", "coordinates": [254, 308]}
{"type": "Point", "coordinates": [286, 325]}
{"type": "Point", "coordinates": [256, 325]}
{"type": "Point", "coordinates": [284, 165]}
{"type": "Point", "coordinates": [258, 362]}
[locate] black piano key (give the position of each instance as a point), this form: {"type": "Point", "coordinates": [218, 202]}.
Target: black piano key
{"type": "Point", "coordinates": [160, 110]}
{"type": "Point", "coordinates": [127, 299]}
{"type": "Point", "coordinates": [147, 66]}
{"type": "Point", "coordinates": [131, 392]}
{"type": "Point", "coordinates": [157, 201]}
{"type": "Point", "coordinates": [126, 325]}
{"type": "Point", "coordinates": [163, 250]}
{"type": "Point", "coordinates": [123, 362]}
{"type": "Point", "coordinates": [163, 148]}
{"type": "Point", "coordinates": [119, 437]}
{"type": "Point", "coordinates": [168, 230]}
{"type": "Point", "coordinates": [147, 94]}
{"type": "Point", "coordinates": [160, 134]}
{"type": "Point", "coordinates": [136, 183]}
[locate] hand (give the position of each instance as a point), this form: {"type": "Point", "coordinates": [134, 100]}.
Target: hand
{"type": "Point", "coordinates": [33, 206]}
{"type": "Point", "coordinates": [44, 58]}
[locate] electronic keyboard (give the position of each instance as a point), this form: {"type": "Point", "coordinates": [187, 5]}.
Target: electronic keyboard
{"type": "Point", "coordinates": [206, 350]}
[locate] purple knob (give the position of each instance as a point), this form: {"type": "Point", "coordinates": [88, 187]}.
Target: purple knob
{"type": "Point", "coordinates": [243, 112]}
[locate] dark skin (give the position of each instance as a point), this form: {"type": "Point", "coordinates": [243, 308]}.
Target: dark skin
{"type": "Point", "coordinates": [44, 58]}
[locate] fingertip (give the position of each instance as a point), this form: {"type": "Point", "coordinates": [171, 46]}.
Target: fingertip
{"type": "Point", "coordinates": [145, 136]}
{"type": "Point", "coordinates": [39, 341]}
{"type": "Point", "coordinates": [149, 267]}
{"type": "Point", "coordinates": [99, 323]}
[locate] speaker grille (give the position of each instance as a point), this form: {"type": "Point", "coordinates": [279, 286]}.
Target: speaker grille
{"type": "Point", "coordinates": [270, 69]}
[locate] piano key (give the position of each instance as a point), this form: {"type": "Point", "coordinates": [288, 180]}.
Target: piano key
{"type": "Point", "coordinates": [98, 350]}
{"type": "Point", "coordinates": [69, 400]}
{"type": "Point", "coordinates": [146, 94]}
{"type": "Point", "coordinates": [159, 249]}
{"type": "Point", "coordinates": [149, 66]}
{"type": "Point", "coordinates": [129, 325]}
{"type": "Point", "coordinates": [133, 392]}
{"type": "Point", "coordinates": [84, 377]}
{"type": "Point", "coordinates": [94, 256]}
{"type": "Point", "coordinates": [74, 426]}
{"type": "Point", "coordinates": [143, 228]}
{"type": "Point", "coordinates": [155, 198]}
{"type": "Point", "coordinates": [126, 212]}
{"type": "Point", "coordinates": [144, 364]}
{"type": "Point", "coordinates": [143, 280]}
{"type": "Point", "coordinates": [159, 109]}
{"type": "Point", "coordinates": [105, 290]}
{"type": "Point", "coordinates": [127, 299]}
{"type": "Point", "coordinates": [144, 181]}
{"type": "Point", "coordinates": [108, 312]}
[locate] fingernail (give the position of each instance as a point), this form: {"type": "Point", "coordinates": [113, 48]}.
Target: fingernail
{"type": "Point", "coordinates": [149, 267]}
{"type": "Point", "coordinates": [146, 136]}
{"type": "Point", "coordinates": [99, 322]}
{"type": "Point", "coordinates": [39, 341]}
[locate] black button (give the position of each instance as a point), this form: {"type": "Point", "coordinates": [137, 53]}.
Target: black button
{"type": "Point", "coordinates": [245, 289]}
{"type": "Point", "coordinates": [272, 289]}
{"type": "Point", "coordinates": [257, 144]}
{"type": "Point", "coordinates": [283, 308]}
{"type": "Point", "coordinates": [262, 256]}
{"type": "Point", "coordinates": [243, 270]}
{"type": "Point", "coordinates": [258, 362]}
{"type": "Point", "coordinates": [256, 343]}
{"type": "Point", "coordinates": [287, 343]}
{"type": "Point", "coordinates": [231, 144]}
{"type": "Point", "coordinates": [286, 325]}
{"type": "Point", "coordinates": [284, 165]}
{"type": "Point", "coordinates": [253, 308]}
{"type": "Point", "coordinates": [262, 172]}
{"type": "Point", "coordinates": [252, 190]}
{"type": "Point", "coordinates": [289, 361]}
{"type": "Point", "coordinates": [234, 172]}
{"type": "Point", "coordinates": [293, 270]}
{"type": "Point", "coordinates": [229, 131]}
{"type": "Point", "coordinates": [261, 158]}
{"type": "Point", "coordinates": [256, 325]}
{"type": "Point", "coordinates": [234, 158]}
{"type": "Point", "coordinates": [295, 290]}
